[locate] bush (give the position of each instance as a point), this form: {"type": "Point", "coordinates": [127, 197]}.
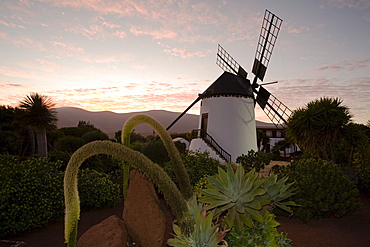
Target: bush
{"type": "Point", "coordinates": [96, 190]}
{"type": "Point", "coordinates": [69, 144]}
{"type": "Point", "coordinates": [198, 165]}
{"type": "Point", "coordinates": [322, 189]}
{"type": "Point", "coordinates": [254, 160]}
{"type": "Point", "coordinates": [31, 193]}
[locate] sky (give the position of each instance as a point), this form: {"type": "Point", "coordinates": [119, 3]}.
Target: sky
{"type": "Point", "coordinates": [135, 55]}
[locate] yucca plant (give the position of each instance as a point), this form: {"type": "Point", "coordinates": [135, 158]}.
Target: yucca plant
{"type": "Point", "coordinates": [237, 194]}
{"type": "Point", "coordinates": [204, 232]}
{"type": "Point", "coordinates": [277, 191]}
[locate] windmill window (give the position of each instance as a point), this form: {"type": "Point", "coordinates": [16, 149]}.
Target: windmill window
{"type": "Point", "coordinates": [274, 134]}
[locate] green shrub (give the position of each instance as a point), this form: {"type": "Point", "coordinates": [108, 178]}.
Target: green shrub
{"type": "Point", "coordinates": [322, 189]}
{"type": "Point", "coordinates": [254, 160]}
{"type": "Point", "coordinates": [31, 193]}
{"type": "Point", "coordinates": [261, 234]}
{"type": "Point", "coordinates": [96, 190]}
{"type": "Point", "coordinates": [198, 165]}
{"type": "Point", "coordinates": [69, 144]}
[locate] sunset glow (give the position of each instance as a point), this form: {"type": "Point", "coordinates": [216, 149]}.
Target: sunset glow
{"type": "Point", "coordinates": [129, 56]}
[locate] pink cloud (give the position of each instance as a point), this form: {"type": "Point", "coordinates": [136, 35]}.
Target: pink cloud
{"type": "Point", "coordinates": [300, 29]}
{"type": "Point", "coordinates": [156, 34]}
{"type": "Point", "coordinates": [184, 53]}
{"type": "Point", "coordinates": [355, 4]}
{"type": "Point", "coordinates": [120, 34]}
{"type": "Point", "coordinates": [24, 41]}
{"type": "Point", "coordinates": [69, 47]}
{"type": "Point", "coordinates": [345, 65]}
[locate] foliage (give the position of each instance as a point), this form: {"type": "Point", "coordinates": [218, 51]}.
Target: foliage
{"type": "Point", "coordinates": [318, 126]}
{"type": "Point", "coordinates": [277, 191]}
{"type": "Point", "coordinates": [261, 234]}
{"type": "Point", "coordinates": [197, 164]}
{"type": "Point", "coordinates": [94, 135]}
{"type": "Point", "coordinates": [254, 160]}
{"type": "Point", "coordinates": [69, 144]}
{"type": "Point", "coordinates": [31, 193]}
{"type": "Point", "coordinates": [97, 190]}
{"type": "Point", "coordinates": [238, 194]}
{"type": "Point", "coordinates": [137, 160]}
{"type": "Point", "coordinates": [155, 151]}
{"type": "Point", "coordinates": [39, 113]}
{"type": "Point", "coordinates": [239, 202]}
{"type": "Point", "coordinates": [204, 232]}
{"type": "Point", "coordinates": [322, 189]}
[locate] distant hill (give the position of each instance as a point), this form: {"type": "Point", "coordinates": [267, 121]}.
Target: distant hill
{"type": "Point", "coordinates": [110, 122]}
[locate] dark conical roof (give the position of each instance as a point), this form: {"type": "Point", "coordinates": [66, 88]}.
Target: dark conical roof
{"type": "Point", "coordinates": [229, 84]}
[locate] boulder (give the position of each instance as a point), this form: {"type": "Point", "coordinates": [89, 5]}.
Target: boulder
{"type": "Point", "coordinates": [145, 214]}
{"type": "Point", "coordinates": [110, 232]}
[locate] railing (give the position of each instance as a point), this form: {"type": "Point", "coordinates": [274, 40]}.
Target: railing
{"type": "Point", "coordinates": [199, 133]}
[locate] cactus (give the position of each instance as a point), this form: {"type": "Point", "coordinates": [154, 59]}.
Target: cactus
{"type": "Point", "coordinates": [178, 166]}
{"type": "Point", "coordinates": [139, 161]}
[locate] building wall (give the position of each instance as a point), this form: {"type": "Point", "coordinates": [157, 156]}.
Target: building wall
{"type": "Point", "coordinates": [231, 122]}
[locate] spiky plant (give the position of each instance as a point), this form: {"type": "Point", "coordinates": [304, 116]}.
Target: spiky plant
{"type": "Point", "coordinates": [238, 194]}
{"type": "Point", "coordinates": [204, 232]}
{"type": "Point", "coordinates": [139, 161]}
{"type": "Point", "coordinates": [178, 166]}
{"type": "Point", "coordinates": [277, 191]}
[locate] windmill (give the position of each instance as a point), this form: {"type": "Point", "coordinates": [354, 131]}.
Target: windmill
{"type": "Point", "coordinates": [227, 109]}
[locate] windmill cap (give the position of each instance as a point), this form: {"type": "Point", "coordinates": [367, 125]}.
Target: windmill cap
{"type": "Point", "coordinates": [230, 85]}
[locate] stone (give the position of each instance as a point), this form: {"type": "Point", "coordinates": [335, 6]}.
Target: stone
{"type": "Point", "coordinates": [110, 232]}
{"type": "Point", "coordinates": [145, 214]}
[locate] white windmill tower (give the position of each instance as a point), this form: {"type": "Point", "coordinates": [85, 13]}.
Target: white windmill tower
{"type": "Point", "coordinates": [227, 127]}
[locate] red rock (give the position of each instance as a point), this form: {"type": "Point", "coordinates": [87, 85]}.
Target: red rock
{"type": "Point", "coordinates": [110, 232]}
{"type": "Point", "coordinates": [144, 214]}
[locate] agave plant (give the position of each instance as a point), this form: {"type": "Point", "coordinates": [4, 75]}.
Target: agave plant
{"type": "Point", "coordinates": [277, 191]}
{"type": "Point", "coordinates": [238, 194]}
{"type": "Point", "coordinates": [204, 232]}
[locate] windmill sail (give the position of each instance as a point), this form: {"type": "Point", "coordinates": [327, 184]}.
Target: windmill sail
{"type": "Point", "coordinates": [227, 63]}
{"type": "Point", "coordinates": [266, 42]}
{"type": "Point", "coordinates": [275, 110]}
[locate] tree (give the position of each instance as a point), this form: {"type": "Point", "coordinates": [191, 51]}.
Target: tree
{"type": "Point", "coordinates": [318, 126]}
{"type": "Point", "coordinates": [39, 114]}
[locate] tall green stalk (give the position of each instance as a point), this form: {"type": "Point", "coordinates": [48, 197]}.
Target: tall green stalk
{"type": "Point", "coordinates": [136, 159]}
{"type": "Point", "coordinates": [178, 166]}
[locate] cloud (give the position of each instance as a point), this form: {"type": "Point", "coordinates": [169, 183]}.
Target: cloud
{"type": "Point", "coordinates": [68, 47]}
{"type": "Point", "coordinates": [156, 34]}
{"type": "Point", "coordinates": [10, 85]}
{"type": "Point", "coordinates": [355, 4]}
{"type": "Point", "coordinates": [24, 41]}
{"type": "Point", "coordinates": [11, 25]}
{"type": "Point", "coordinates": [296, 30]}
{"type": "Point", "coordinates": [344, 65]}
{"type": "Point", "coordinates": [184, 52]}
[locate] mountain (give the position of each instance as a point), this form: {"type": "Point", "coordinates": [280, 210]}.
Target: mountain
{"type": "Point", "coordinates": [110, 122]}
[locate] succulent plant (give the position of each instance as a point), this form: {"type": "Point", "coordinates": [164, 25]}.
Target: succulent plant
{"type": "Point", "coordinates": [238, 194]}
{"type": "Point", "coordinates": [277, 191]}
{"type": "Point", "coordinates": [204, 232]}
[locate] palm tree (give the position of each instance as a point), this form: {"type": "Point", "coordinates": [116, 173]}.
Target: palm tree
{"type": "Point", "coordinates": [318, 125]}
{"type": "Point", "coordinates": [40, 115]}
